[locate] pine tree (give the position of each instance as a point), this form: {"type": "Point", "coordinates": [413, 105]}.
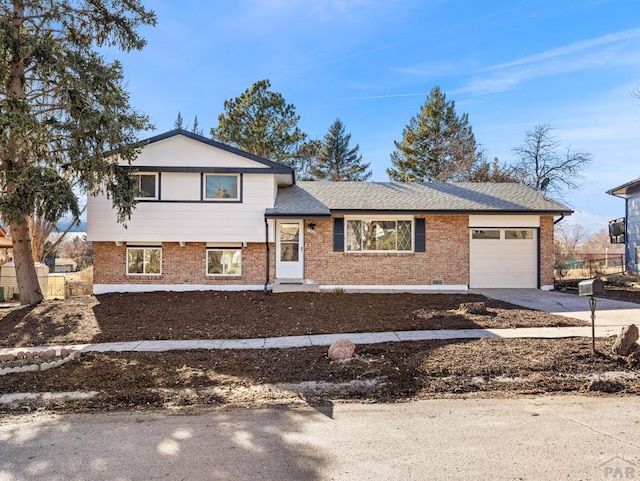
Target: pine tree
{"type": "Point", "coordinates": [196, 126]}
{"type": "Point", "coordinates": [437, 145]}
{"type": "Point", "coordinates": [336, 160]}
{"type": "Point", "coordinates": [63, 109]}
{"type": "Point", "coordinates": [306, 159]}
{"type": "Point", "coordinates": [179, 123]}
{"type": "Point", "coordinates": [260, 122]}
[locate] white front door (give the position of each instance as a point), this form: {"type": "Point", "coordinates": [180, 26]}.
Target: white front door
{"type": "Point", "coordinates": [289, 249]}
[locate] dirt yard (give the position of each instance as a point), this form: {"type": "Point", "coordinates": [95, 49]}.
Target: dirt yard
{"type": "Point", "coordinates": [389, 372]}
{"type": "Point", "coordinates": [242, 315]}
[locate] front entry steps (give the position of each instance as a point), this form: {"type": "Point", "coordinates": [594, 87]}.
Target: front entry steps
{"type": "Point", "coordinates": [295, 285]}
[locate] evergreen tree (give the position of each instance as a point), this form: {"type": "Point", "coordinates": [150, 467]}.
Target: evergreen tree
{"type": "Point", "coordinates": [260, 122]}
{"type": "Point", "coordinates": [179, 123]}
{"type": "Point", "coordinates": [196, 126]}
{"type": "Point", "coordinates": [336, 160]}
{"type": "Point", "coordinates": [306, 159]}
{"type": "Point", "coordinates": [485, 171]}
{"type": "Point", "coordinates": [64, 114]}
{"type": "Point", "coordinates": [437, 145]}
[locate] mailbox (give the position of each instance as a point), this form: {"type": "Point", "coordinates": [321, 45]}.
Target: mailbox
{"type": "Point", "coordinates": [591, 287]}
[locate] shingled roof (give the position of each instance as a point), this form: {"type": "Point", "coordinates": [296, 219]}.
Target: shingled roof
{"type": "Point", "coordinates": [323, 198]}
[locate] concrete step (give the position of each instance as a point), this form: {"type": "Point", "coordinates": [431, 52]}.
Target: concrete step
{"type": "Point", "coordinates": [295, 285]}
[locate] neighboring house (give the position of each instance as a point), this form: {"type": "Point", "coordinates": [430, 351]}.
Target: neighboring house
{"type": "Point", "coordinates": [630, 192]}
{"type": "Point", "coordinates": [6, 247]}
{"type": "Point", "coordinates": [64, 264]}
{"type": "Point", "coordinates": [214, 217]}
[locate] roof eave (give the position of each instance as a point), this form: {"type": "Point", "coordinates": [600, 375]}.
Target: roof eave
{"type": "Point", "coordinates": [625, 189]}
{"type": "Point", "coordinates": [453, 211]}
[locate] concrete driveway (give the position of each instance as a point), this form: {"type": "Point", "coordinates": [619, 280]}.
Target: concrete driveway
{"type": "Point", "coordinates": [608, 312]}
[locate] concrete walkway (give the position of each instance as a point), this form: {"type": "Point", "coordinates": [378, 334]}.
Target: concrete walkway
{"type": "Point", "coordinates": [608, 311]}
{"type": "Point", "coordinates": [610, 317]}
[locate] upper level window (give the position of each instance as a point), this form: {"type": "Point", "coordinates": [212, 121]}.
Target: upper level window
{"type": "Point", "coordinates": [222, 187]}
{"type": "Point", "coordinates": [379, 235]}
{"type": "Point", "coordinates": [147, 185]}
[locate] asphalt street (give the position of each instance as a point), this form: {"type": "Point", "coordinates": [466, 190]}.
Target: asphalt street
{"type": "Point", "coordinates": [537, 438]}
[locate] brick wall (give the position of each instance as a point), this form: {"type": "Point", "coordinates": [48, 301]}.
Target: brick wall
{"type": "Point", "coordinates": [446, 257]}
{"type": "Point", "coordinates": [180, 265]}
{"type": "Point", "coordinates": [547, 257]}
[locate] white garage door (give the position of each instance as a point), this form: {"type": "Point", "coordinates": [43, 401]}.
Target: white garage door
{"type": "Point", "coordinates": [503, 258]}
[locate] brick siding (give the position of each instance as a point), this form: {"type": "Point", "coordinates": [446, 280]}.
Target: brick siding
{"type": "Point", "coordinates": [446, 257]}
{"type": "Point", "coordinates": [547, 256]}
{"type": "Point", "coordinates": [180, 265]}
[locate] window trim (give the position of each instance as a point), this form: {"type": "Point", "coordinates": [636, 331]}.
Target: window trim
{"type": "Point", "coordinates": [398, 218]}
{"type": "Point", "coordinates": [204, 197]}
{"type": "Point", "coordinates": [499, 230]}
{"type": "Point", "coordinates": [530, 231]}
{"type": "Point", "coordinates": [221, 249]}
{"type": "Point", "coordinates": [141, 274]}
{"type": "Point", "coordinates": [156, 175]}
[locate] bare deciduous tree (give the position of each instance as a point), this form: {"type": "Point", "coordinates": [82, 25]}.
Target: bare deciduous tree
{"type": "Point", "coordinates": [568, 237]}
{"type": "Point", "coordinates": [546, 166]}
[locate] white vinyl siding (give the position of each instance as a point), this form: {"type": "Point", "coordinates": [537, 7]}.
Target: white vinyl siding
{"type": "Point", "coordinates": [503, 258]}
{"type": "Point", "coordinates": [180, 186]}
{"type": "Point", "coordinates": [504, 220]}
{"type": "Point", "coordinates": [190, 221]}
{"type": "Point", "coordinates": [180, 151]}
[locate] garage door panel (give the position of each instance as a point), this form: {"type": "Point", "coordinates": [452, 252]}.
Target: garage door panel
{"type": "Point", "coordinates": [503, 262]}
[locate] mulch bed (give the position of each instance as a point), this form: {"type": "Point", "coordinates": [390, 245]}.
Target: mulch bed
{"type": "Point", "coordinates": [387, 372]}
{"type": "Point", "coordinates": [242, 315]}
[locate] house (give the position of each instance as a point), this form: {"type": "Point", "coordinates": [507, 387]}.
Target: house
{"type": "Point", "coordinates": [630, 192]}
{"type": "Point", "coordinates": [6, 247]}
{"type": "Point", "coordinates": [213, 217]}
{"type": "Point", "coordinates": [64, 264]}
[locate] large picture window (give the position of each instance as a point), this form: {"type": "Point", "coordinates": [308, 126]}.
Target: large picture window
{"type": "Point", "coordinates": [222, 187]}
{"type": "Point", "coordinates": [224, 262]}
{"type": "Point", "coordinates": [147, 185]}
{"type": "Point", "coordinates": [144, 261]}
{"type": "Point", "coordinates": [379, 235]}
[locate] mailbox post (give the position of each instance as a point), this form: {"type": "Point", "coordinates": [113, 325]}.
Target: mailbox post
{"type": "Point", "coordinates": [591, 288]}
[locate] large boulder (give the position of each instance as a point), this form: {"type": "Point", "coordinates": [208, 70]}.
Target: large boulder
{"type": "Point", "coordinates": [341, 350]}
{"type": "Point", "coordinates": [625, 344]}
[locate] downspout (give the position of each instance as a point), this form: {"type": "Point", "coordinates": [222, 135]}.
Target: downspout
{"type": "Point", "coordinates": [266, 245]}
{"type": "Point", "coordinates": [556, 221]}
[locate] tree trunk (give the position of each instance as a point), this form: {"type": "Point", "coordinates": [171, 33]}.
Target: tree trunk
{"type": "Point", "coordinates": [28, 286]}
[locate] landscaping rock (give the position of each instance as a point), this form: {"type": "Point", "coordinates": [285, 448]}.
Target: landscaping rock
{"type": "Point", "coordinates": [472, 308]}
{"type": "Point", "coordinates": [341, 350]}
{"type": "Point", "coordinates": [625, 344]}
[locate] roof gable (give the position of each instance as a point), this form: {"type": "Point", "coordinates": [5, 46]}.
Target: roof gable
{"type": "Point", "coordinates": [182, 151]}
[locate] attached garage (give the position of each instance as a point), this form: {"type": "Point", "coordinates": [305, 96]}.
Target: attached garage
{"type": "Point", "coordinates": [505, 254]}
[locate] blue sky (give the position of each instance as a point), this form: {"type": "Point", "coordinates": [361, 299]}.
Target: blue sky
{"type": "Point", "coordinates": [509, 64]}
